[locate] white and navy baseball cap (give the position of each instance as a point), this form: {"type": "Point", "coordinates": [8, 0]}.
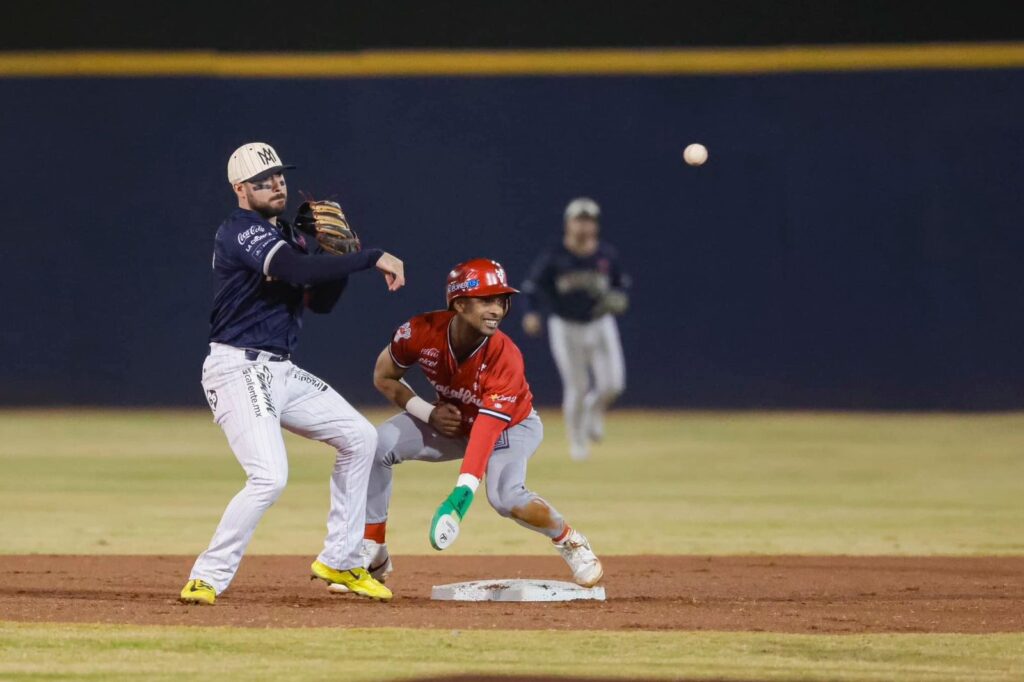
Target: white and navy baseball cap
{"type": "Point", "coordinates": [254, 161]}
{"type": "Point", "coordinates": [582, 207]}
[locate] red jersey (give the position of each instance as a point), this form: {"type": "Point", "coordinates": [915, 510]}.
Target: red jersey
{"type": "Point", "coordinates": [491, 381]}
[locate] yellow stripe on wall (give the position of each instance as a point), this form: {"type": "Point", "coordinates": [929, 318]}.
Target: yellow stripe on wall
{"type": "Point", "coordinates": [638, 62]}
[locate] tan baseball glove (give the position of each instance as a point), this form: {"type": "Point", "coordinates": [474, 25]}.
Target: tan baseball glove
{"type": "Point", "coordinates": [326, 222]}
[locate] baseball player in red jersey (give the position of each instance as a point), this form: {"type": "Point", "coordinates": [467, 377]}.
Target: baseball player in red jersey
{"type": "Point", "coordinates": [483, 414]}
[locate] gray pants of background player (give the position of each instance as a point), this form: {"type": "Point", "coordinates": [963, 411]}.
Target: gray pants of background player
{"type": "Point", "coordinates": [581, 349]}
{"type": "Point", "coordinates": [403, 438]}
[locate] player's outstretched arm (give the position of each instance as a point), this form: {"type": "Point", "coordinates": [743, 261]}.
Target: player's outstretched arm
{"type": "Point", "coordinates": [298, 268]}
{"type": "Point", "coordinates": [444, 527]}
{"type": "Point", "coordinates": [295, 267]}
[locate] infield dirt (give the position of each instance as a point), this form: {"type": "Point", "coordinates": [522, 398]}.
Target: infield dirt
{"type": "Point", "coordinates": [754, 593]}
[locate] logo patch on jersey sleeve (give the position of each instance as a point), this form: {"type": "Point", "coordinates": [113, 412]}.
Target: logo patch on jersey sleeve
{"type": "Point", "coordinates": [254, 231]}
{"type": "Point", "coordinates": [403, 332]}
{"type": "Point", "coordinates": [257, 240]}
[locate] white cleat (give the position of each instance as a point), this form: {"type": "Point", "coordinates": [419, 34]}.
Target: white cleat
{"type": "Point", "coordinates": [586, 567]}
{"type": "Point", "coordinates": [376, 559]}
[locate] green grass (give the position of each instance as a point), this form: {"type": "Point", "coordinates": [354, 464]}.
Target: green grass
{"type": "Point", "coordinates": [715, 483]}
{"type": "Point", "coordinates": [664, 482]}
{"type": "Point", "coordinates": [87, 652]}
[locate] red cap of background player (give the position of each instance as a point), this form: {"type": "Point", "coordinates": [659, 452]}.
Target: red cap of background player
{"type": "Point", "coordinates": [476, 278]}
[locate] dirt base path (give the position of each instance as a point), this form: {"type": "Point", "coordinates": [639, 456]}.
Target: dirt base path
{"type": "Point", "coordinates": [777, 594]}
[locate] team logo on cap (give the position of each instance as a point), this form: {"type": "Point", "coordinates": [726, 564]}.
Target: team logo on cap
{"type": "Point", "coordinates": [267, 156]}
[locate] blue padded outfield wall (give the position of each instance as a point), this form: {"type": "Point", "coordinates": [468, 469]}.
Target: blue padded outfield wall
{"type": "Point", "coordinates": [855, 240]}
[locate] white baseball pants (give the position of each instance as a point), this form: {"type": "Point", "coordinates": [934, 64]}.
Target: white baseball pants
{"type": "Point", "coordinates": [251, 400]}
{"type": "Point", "coordinates": [581, 349]}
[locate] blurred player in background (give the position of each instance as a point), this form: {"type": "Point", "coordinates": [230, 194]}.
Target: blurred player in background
{"type": "Point", "coordinates": [581, 286]}
{"type": "Point", "coordinates": [483, 414]}
{"type": "Point", "coordinates": [266, 274]}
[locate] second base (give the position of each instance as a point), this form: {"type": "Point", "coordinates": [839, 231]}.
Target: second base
{"type": "Point", "coordinates": [515, 590]}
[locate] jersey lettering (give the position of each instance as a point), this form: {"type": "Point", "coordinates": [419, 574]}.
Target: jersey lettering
{"type": "Point", "coordinates": [571, 286]}
{"type": "Point", "coordinates": [588, 281]}
{"type": "Point", "coordinates": [490, 381]}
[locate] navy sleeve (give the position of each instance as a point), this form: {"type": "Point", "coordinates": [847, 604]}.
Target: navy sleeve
{"type": "Point", "coordinates": [537, 286]}
{"type": "Point", "coordinates": [293, 266]}
{"type": "Point", "coordinates": [250, 245]}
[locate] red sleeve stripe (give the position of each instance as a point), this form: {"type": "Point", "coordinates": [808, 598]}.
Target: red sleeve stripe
{"type": "Point", "coordinates": [395, 360]}
{"type": "Point", "coordinates": [498, 415]}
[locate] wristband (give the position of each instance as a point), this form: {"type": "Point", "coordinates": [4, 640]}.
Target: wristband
{"type": "Point", "coordinates": [419, 408]}
{"type": "Point", "coordinates": [468, 480]}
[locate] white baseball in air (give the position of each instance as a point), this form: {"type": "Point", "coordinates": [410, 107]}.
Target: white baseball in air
{"type": "Point", "coordinates": [695, 154]}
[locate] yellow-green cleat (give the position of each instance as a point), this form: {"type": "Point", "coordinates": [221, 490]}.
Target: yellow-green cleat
{"type": "Point", "coordinates": [198, 592]}
{"type": "Point", "coordinates": [354, 580]}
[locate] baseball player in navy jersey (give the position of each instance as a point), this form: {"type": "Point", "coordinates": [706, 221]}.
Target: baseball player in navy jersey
{"type": "Point", "coordinates": [581, 286]}
{"type": "Point", "coordinates": [266, 274]}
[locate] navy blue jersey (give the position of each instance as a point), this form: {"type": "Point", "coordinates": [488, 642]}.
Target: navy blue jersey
{"type": "Point", "coordinates": [569, 286]}
{"type": "Point", "coordinates": [250, 309]}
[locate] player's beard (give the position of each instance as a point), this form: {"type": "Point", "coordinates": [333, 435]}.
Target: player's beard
{"type": "Point", "coordinates": [267, 209]}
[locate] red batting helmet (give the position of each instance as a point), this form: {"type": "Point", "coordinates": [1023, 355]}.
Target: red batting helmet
{"type": "Point", "coordinates": [477, 278]}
